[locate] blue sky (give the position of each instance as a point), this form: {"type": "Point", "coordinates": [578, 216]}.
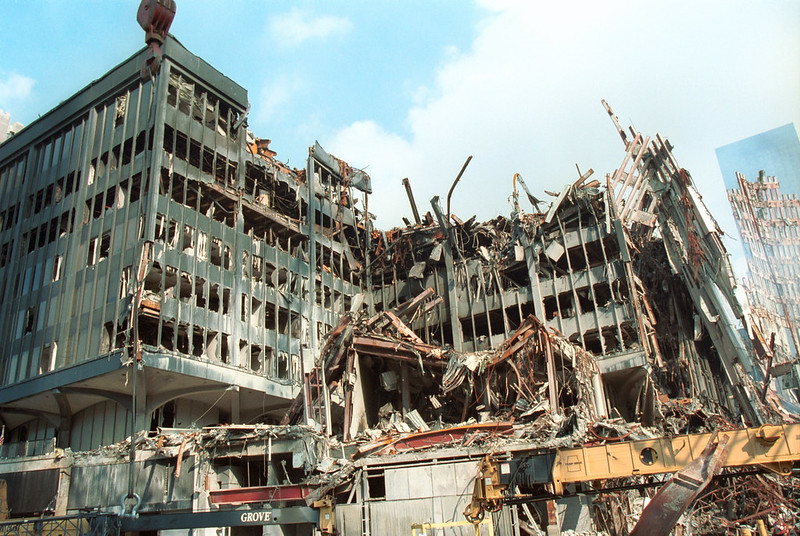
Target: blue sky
{"type": "Point", "coordinates": [411, 88]}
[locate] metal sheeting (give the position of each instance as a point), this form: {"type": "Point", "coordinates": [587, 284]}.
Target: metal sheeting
{"type": "Point", "coordinates": [429, 493]}
{"type": "Point", "coordinates": [390, 517]}
{"type": "Point", "coordinates": [105, 485]}
{"type": "Point", "coordinates": [30, 491]}
{"type": "Point", "coordinates": [429, 481]}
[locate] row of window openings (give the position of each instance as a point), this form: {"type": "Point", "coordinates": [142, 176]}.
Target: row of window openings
{"type": "Point", "coordinates": [762, 191]}
{"type": "Point", "coordinates": [196, 243]}
{"type": "Point", "coordinates": [9, 217]}
{"type": "Point", "coordinates": [54, 193]}
{"type": "Point", "coordinates": [199, 156]}
{"type": "Point", "coordinates": [258, 183]}
{"type": "Point", "coordinates": [218, 207]}
{"type": "Point", "coordinates": [13, 174]}
{"type": "Point", "coordinates": [195, 290]}
{"type": "Point", "coordinates": [32, 279]}
{"type": "Point", "coordinates": [208, 344]}
{"type": "Point", "coordinates": [48, 153]}
{"type": "Point", "coordinates": [779, 253]}
{"type": "Point", "coordinates": [113, 198]}
{"type": "Point", "coordinates": [596, 253]}
{"type": "Point", "coordinates": [199, 104]}
{"type": "Point", "coordinates": [786, 290]}
{"type": "Point", "coordinates": [193, 194]}
{"type": "Point", "coordinates": [38, 237]}
{"type": "Point", "coordinates": [60, 226]}
{"type": "Point", "coordinates": [493, 324]}
{"type": "Point", "coordinates": [98, 250]}
{"type": "Point", "coordinates": [611, 339]}
{"type": "Point", "coordinates": [762, 263]}
{"type": "Point", "coordinates": [784, 252]}
{"type": "Point", "coordinates": [332, 300]}
{"type": "Point", "coordinates": [334, 263]}
{"type": "Point", "coordinates": [70, 183]}
{"type": "Point", "coordinates": [604, 293]}
{"type": "Point", "coordinates": [282, 279]}
{"type": "Point", "coordinates": [215, 346]}
{"type": "Point", "coordinates": [263, 187]}
{"type": "Point", "coordinates": [193, 242]}
{"type": "Point", "coordinates": [771, 230]}
{"type": "Point", "coordinates": [59, 148]}
{"type": "Point", "coordinates": [122, 154]}
{"type": "Point", "coordinates": [778, 212]}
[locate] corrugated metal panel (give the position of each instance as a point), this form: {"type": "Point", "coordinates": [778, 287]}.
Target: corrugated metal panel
{"type": "Point", "coordinates": [420, 483]}
{"type": "Point", "coordinates": [104, 485]}
{"type": "Point", "coordinates": [348, 518]}
{"type": "Point", "coordinates": [396, 518]}
{"type": "Point", "coordinates": [457, 479]}
{"type": "Point", "coordinates": [30, 492]}
{"type": "Point", "coordinates": [390, 518]}
{"type": "Point", "coordinates": [396, 484]}
{"type": "Point", "coordinates": [427, 494]}
{"type": "Point", "coordinates": [429, 481]}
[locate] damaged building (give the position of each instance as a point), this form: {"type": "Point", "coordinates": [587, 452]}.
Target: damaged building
{"type": "Point", "coordinates": [769, 223]}
{"type": "Point", "coordinates": [198, 336]}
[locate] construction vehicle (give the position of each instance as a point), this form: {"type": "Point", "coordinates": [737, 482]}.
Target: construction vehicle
{"type": "Point", "coordinates": [694, 458]}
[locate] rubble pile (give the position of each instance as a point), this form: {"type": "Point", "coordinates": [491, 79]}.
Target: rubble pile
{"type": "Point", "coordinates": [727, 506]}
{"type": "Point", "coordinates": [416, 386]}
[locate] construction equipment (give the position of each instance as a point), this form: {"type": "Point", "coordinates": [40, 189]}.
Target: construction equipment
{"type": "Point", "coordinates": [774, 446]}
{"type": "Point", "coordinates": [327, 516]}
{"type": "Point", "coordinates": [695, 458]}
{"type": "Point", "coordinates": [490, 486]}
{"type": "Point", "coordinates": [85, 524]}
{"type": "Point", "coordinates": [155, 18]}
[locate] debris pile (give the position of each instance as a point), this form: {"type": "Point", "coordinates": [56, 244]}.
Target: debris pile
{"type": "Point", "coordinates": [727, 506]}
{"type": "Point", "coordinates": [388, 381]}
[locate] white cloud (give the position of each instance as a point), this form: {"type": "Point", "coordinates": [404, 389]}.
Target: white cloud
{"type": "Point", "coordinates": [275, 97]}
{"type": "Point", "coordinates": [297, 27]}
{"type": "Point", "coordinates": [526, 98]}
{"type": "Point", "coordinates": [15, 87]}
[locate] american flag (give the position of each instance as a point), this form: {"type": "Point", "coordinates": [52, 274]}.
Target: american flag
{"type": "Point", "coordinates": [3, 435]}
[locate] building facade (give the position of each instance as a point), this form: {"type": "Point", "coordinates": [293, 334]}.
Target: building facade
{"type": "Point", "coordinates": [769, 223]}
{"type": "Point", "coordinates": [764, 208]}
{"type": "Point", "coordinates": [142, 223]}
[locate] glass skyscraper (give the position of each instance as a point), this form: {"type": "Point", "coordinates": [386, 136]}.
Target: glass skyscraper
{"type": "Point", "coordinates": [776, 152]}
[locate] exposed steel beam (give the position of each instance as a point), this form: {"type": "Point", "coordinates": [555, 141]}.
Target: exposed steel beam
{"type": "Point", "coordinates": [288, 492]}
